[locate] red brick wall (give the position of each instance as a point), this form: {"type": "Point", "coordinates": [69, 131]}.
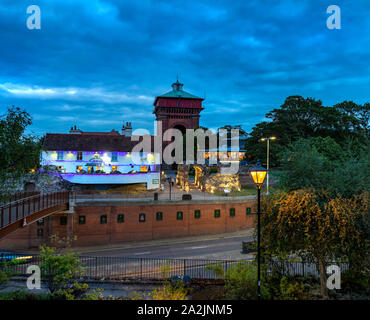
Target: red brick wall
{"type": "Point", "coordinates": [95, 233]}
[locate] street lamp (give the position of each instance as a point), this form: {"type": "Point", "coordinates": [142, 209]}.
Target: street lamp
{"type": "Point", "coordinates": [268, 160]}
{"type": "Point", "coordinates": [258, 174]}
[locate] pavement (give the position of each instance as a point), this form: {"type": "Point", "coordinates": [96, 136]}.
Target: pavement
{"type": "Point", "coordinates": [226, 246]}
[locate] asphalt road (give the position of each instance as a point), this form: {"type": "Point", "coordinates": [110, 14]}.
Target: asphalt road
{"type": "Point", "coordinates": [220, 248]}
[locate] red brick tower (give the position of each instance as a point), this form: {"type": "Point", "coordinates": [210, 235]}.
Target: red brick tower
{"type": "Point", "coordinates": [178, 109]}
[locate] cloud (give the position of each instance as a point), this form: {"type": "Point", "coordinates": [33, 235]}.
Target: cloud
{"type": "Point", "coordinates": [102, 62]}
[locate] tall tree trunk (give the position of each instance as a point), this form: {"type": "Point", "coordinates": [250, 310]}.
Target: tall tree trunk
{"type": "Point", "coordinates": [322, 277]}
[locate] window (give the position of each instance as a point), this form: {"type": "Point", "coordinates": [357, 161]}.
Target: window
{"type": "Point", "coordinates": [217, 213]}
{"type": "Point", "coordinates": [81, 219]}
{"type": "Point", "coordinates": [179, 215]}
{"type": "Point", "coordinates": [142, 217]}
{"type": "Point", "coordinates": [63, 221]}
{"type": "Point", "coordinates": [120, 218]}
{"type": "Point", "coordinates": [197, 214]}
{"type": "Point", "coordinates": [40, 222]}
{"type": "Point", "coordinates": [249, 210]}
{"type": "Point", "coordinates": [103, 219]}
{"type": "Point", "coordinates": [114, 157]}
{"type": "Point", "coordinates": [159, 216]}
{"type": "Point", "coordinates": [60, 155]}
{"type": "Point", "coordinates": [114, 168]}
{"type": "Point", "coordinates": [40, 232]}
{"type": "Point", "coordinates": [79, 155]}
{"type": "Point", "coordinates": [143, 168]}
{"type": "Point", "coordinates": [61, 169]}
{"type": "Point", "coordinates": [232, 212]}
{"type": "Point", "coordinates": [78, 169]}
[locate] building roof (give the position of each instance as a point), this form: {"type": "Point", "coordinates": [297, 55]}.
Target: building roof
{"type": "Point", "coordinates": [90, 142]}
{"type": "Point", "coordinates": [177, 92]}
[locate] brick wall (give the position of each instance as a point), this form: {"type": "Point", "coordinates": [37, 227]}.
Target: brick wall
{"type": "Point", "coordinates": [93, 232]}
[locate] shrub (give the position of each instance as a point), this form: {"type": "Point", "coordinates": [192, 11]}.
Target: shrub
{"type": "Point", "coordinates": [173, 290]}
{"type": "Point", "coordinates": [240, 281]}
{"type": "Point", "coordinates": [62, 273]}
{"type": "Point", "coordinates": [291, 290]}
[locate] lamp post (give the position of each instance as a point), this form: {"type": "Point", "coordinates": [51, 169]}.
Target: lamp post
{"type": "Point", "coordinates": [258, 174]}
{"type": "Point", "coordinates": [268, 160]}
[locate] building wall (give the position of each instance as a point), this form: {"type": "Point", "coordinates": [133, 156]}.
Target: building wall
{"type": "Point", "coordinates": [125, 163]}
{"type": "Point", "coordinates": [95, 233]}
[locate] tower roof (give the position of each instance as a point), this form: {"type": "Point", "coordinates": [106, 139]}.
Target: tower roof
{"type": "Point", "coordinates": [177, 92]}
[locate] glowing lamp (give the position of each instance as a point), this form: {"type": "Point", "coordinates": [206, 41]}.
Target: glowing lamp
{"type": "Point", "coordinates": [258, 174]}
{"type": "Point", "coordinates": [106, 159]}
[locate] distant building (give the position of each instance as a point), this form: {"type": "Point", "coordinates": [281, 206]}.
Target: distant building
{"type": "Point", "coordinates": [96, 158]}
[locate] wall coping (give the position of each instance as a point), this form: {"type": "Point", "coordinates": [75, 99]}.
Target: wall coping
{"type": "Point", "coordinates": [104, 203]}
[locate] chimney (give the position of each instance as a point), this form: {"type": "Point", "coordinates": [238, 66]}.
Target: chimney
{"type": "Point", "coordinates": [75, 130]}
{"type": "Point", "coordinates": [127, 130]}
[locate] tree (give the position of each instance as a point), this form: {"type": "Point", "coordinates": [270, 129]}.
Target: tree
{"type": "Point", "coordinates": [302, 118]}
{"type": "Point", "coordinates": [316, 228]}
{"type": "Point", "coordinates": [19, 152]}
{"type": "Point", "coordinates": [322, 164]}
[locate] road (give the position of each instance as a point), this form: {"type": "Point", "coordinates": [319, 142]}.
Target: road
{"type": "Point", "coordinates": [225, 248]}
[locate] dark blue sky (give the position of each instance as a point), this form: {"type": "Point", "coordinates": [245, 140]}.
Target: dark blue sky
{"type": "Point", "coordinates": [97, 63]}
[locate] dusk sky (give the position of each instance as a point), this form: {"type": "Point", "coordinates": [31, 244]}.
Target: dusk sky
{"type": "Point", "coordinates": [97, 63]}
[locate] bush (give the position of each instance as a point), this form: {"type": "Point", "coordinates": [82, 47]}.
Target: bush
{"type": "Point", "coordinates": [7, 270]}
{"type": "Point", "coordinates": [173, 290]}
{"type": "Point", "coordinates": [291, 290]}
{"type": "Point", "coordinates": [62, 273]}
{"type": "Point", "coordinates": [240, 281]}
{"type": "Point", "coordinates": [24, 295]}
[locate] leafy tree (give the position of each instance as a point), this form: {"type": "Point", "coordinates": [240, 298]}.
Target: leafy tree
{"type": "Point", "coordinates": [316, 228]}
{"type": "Point", "coordinates": [19, 152]}
{"type": "Point", "coordinates": [322, 164]}
{"type": "Point", "coordinates": [302, 118]}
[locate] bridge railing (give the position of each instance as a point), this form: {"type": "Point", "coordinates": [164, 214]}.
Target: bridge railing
{"type": "Point", "coordinates": [11, 197]}
{"type": "Point", "coordinates": [14, 211]}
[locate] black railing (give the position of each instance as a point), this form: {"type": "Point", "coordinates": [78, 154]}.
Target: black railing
{"type": "Point", "coordinates": [159, 268]}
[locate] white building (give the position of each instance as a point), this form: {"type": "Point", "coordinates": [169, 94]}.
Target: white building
{"type": "Point", "coordinates": [100, 158]}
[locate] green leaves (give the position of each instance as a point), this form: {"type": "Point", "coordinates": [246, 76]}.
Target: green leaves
{"type": "Point", "coordinates": [302, 118]}
{"type": "Point", "coordinates": [19, 152]}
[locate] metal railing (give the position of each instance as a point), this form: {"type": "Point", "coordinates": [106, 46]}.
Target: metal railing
{"type": "Point", "coordinates": [114, 268]}
{"type": "Point", "coordinates": [22, 208]}
{"type": "Point", "coordinates": [11, 197]}
{"type": "Point", "coordinates": [134, 268]}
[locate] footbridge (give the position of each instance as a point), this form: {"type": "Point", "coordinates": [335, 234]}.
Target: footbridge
{"type": "Point", "coordinates": [17, 214]}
